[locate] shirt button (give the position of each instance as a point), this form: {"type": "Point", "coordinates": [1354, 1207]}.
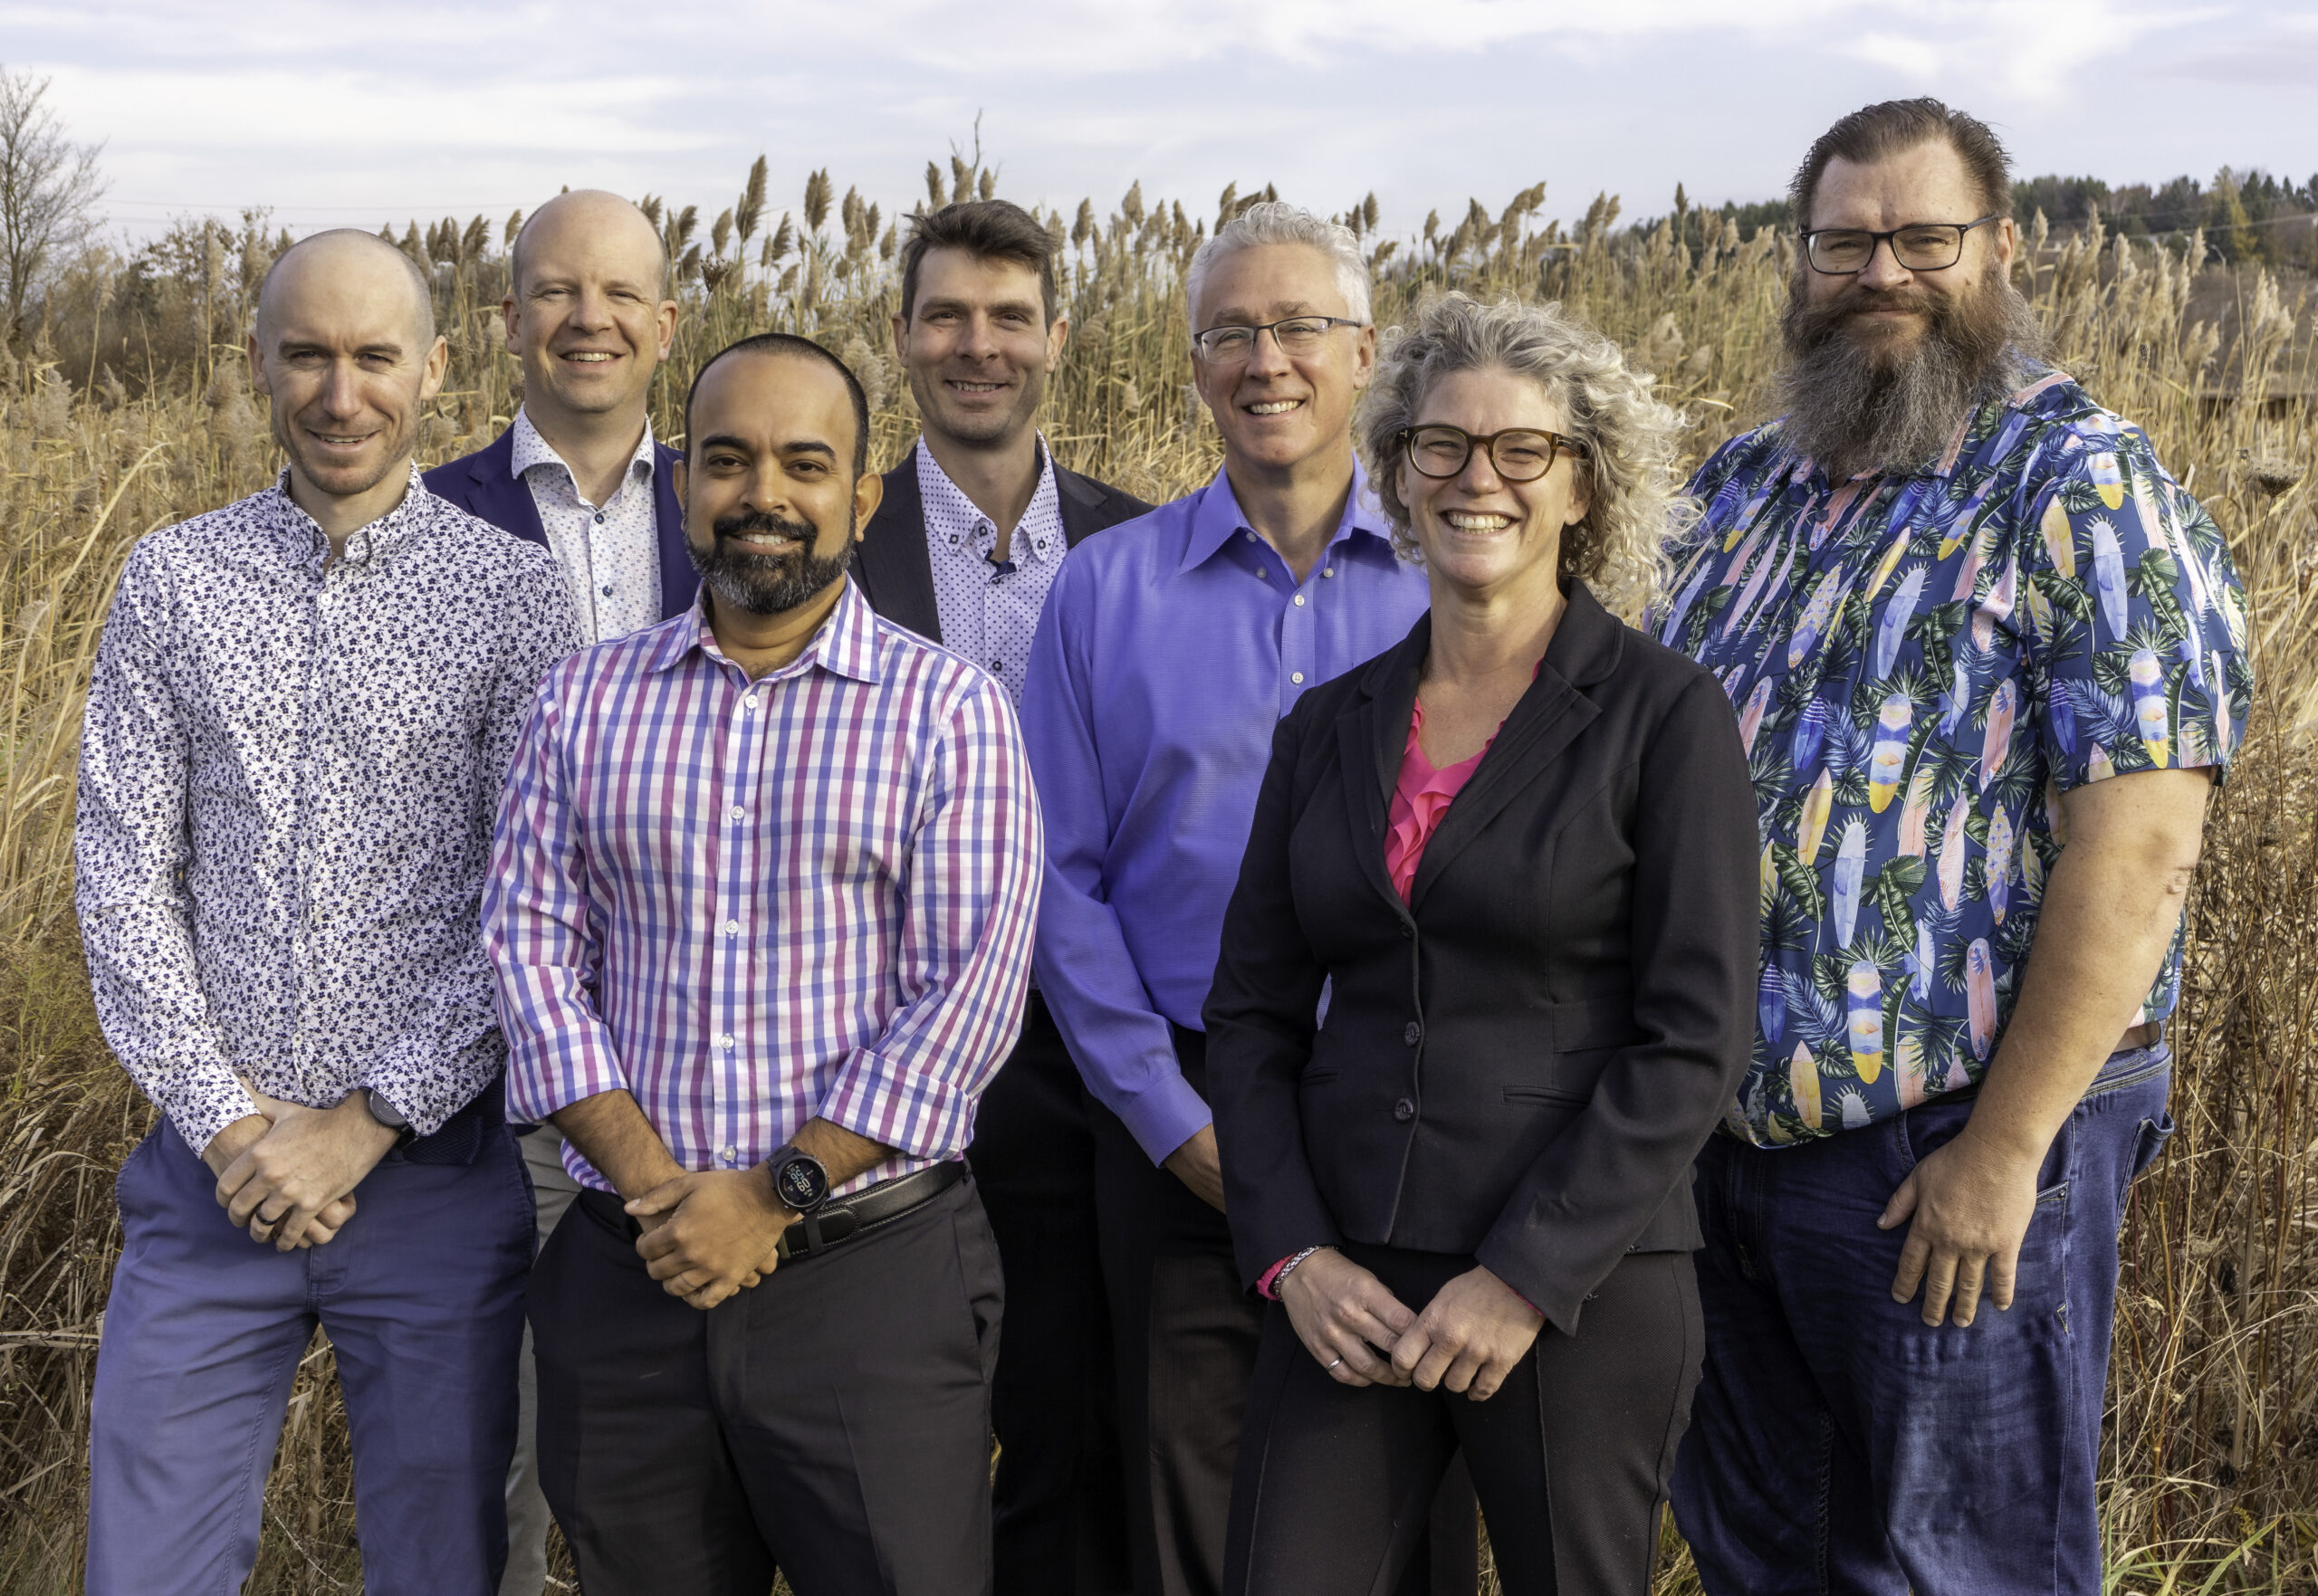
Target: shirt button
{"type": "Point", "coordinates": [725, 1041]}
{"type": "Point", "coordinates": [732, 928]}
{"type": "Point", "coordinates": [1327, 571]}
{"type": "Point", "coordinates": [1405, 1111]}
{"type": "Point", "coordinates": [1251, 538]}
{"type": "Point", "coordinates": [738, 811]}
{"type": "Point", "coordinates": [731, 1153]}
{"type": "Point", "coordinates": [1415, 1033]}
{"type": "Point", "coordinates": [607, 592]}
{"type": "Point", "coordinates": [1299, 599]}
{"type": "Point", "coordinates": [600, 518]}
{"type": "Point", "coordinates": [1296, 677]}
{"type": "Point", "coordinates": [1262, 574]}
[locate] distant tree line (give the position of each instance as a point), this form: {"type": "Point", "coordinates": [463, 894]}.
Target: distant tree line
{"type": "Point", "coordinates": [2248, 216]}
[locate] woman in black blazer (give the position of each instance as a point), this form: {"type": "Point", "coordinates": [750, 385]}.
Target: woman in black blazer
{"type": "Point", "coordinates": [1464, 1040]}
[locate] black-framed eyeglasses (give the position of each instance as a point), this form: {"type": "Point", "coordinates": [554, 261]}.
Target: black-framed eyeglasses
{"type": "Point", "coordinates": [1295, 335]}
{"type": "Point", "coordinates": [1919, 246]}
{"type": "Point", "coordinates": [1520, 454]}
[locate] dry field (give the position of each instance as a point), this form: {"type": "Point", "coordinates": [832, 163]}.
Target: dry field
{"type": "Point", "coordinates": [2211, 1451]}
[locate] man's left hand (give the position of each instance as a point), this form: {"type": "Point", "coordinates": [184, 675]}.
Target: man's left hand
{"type": "Point", "coordinates": [1971, 1204]}
{"type": "Point", "coordinates": [719, 1235]}
{"type": "Point", "coordinates": [310, 1158]}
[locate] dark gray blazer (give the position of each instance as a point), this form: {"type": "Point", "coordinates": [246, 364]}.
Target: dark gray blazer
{"type": "Point", "coordinates": [895, 572]}
{"type": "Point", "coordinates": [1522, 1062]}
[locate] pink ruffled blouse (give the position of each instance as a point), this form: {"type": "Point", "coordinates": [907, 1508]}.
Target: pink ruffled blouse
{"type": "Point", "coordinates": [1420, 798]}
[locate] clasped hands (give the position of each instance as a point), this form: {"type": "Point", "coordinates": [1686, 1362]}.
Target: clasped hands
{"type": "Point", "coordinates": [710, 1233]}
{"type": "Point", "coordinates": [1468, 1338]}
{"type": "Point", "coordinates": [287, 1173]}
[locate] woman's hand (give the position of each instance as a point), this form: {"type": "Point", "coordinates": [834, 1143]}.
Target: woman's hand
{"type": "Point", "coordinates": [1343, 1313]}
{"type": "Point", "coordinates": [1469, 1337]}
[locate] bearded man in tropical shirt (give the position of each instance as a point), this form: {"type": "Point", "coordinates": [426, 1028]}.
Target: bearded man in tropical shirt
{"type": "Point", "coordinates": [1988, 659]}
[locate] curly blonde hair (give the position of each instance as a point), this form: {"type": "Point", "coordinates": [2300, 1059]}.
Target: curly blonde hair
{"type": "Point", "coordinates": [1636, 506]}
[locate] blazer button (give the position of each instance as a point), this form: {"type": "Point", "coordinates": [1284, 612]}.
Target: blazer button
{"type": "Point", "coordinates": [1414, 1033]}
{"type": "Point", "coordinates": [1408, 931]}
{"type": "Point", "coordinates": [1405, 1111]}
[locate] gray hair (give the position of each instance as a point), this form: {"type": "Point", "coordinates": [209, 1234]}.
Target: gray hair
{"type": "Point", "coordinates": [1636, 506]}
{"type": "Point", "coordinates": [1275, 221]}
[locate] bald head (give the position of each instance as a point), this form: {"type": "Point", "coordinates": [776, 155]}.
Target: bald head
{"type": "Point", "coordinates": [354, 263]}
{"type": "Point", "coordinates": [606, 221]}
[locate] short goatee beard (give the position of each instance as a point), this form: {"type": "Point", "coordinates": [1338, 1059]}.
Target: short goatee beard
{"type": "Point", "coordinates": [769, 584]}
{"type": "Point", "coordinates": [1855, 414]}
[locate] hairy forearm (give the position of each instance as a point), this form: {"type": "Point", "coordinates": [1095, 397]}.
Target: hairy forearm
{"type": "Point", "coordinates": [611, 1132]}
{"type": "Point", "coordinates": [2108, 916]}
{"type": "Point", "coordinates": [843, 1153]}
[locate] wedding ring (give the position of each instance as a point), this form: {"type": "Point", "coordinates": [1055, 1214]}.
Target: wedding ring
{"type": "Point", "coordinates": [1334, 1364]}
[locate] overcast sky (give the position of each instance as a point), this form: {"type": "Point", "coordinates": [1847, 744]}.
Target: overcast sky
{"type": "Point", "coordinates": [336, 114]}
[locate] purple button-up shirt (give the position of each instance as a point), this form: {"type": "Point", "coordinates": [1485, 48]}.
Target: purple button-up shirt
{"type": "Point", "coordinates": [1171, 646]}
{"type": "Point", "coordinates": [753, 903]}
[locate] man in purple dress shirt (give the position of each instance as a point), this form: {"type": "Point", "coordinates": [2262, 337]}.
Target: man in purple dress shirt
{"type": "Point", "coordinates": [1169, 649]}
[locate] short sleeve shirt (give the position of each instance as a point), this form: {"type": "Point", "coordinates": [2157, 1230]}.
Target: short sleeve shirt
{"type": "Point", "coordinates": [1920, 664]}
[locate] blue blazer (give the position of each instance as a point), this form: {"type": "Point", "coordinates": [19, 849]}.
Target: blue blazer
{"type": "Point", "coordinates": [484, 484]}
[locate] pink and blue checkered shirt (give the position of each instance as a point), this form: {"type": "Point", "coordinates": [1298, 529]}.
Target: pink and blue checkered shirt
{"type": "Point", "coordinates": [753, 903]}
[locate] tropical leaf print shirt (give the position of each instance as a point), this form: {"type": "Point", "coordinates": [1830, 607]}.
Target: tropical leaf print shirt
{"type": "Point", "coordinates": [1920, 665]}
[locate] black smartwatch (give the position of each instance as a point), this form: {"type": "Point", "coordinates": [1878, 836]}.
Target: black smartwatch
{"type": "Point", "coordinates": [799, 1180]}
{"type": "Point", "coordinates": [387, 1114]}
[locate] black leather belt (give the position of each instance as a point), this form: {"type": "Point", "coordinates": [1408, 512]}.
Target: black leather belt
{"type": "Point", "coordinates": [842, 1218]}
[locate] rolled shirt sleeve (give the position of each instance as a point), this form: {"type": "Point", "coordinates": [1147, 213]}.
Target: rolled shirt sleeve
{"type": "Point", "coordinates": [968, 921]}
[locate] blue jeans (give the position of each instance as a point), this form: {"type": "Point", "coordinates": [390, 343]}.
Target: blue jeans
{"type": "Point", "coordinates": [1837, 1443]}
{"type": "Point", "coordinates": [422, 1295]}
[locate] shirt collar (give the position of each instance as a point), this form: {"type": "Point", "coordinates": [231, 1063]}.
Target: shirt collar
{"type": "Point", "coordinates": [1218, 519]}
{"type": "Point", "coordinates": [845, 646]}
{"type": "Point", "coordinates": [935, 486]}
{"type": "Point", "coordinates": [365, 541]}
{"type": "Point", "coordinates": [529, 449]}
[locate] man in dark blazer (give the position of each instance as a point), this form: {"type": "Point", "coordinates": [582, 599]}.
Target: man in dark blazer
{"type": "Point", "coordinates": [580, 473]}
{"type": "Point", "coordinates": [972, 527]}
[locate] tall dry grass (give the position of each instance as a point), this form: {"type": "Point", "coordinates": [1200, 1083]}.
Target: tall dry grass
{"type": "Point", "coordinates": [2211, 1451]}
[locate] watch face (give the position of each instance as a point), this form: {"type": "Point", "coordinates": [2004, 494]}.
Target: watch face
{"type": "Point", "coordinates": [801, 1182]}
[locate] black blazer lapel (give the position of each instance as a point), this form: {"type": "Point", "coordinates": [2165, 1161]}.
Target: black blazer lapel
{"type": "Point", "coordinates": [895, 572]}
{"type": "Point", "coordinates": [1549, 717]}
{"type": "Point", "coordinates": [1371, 737]}
{"type": "Point", "coordinates": [1081, 500]}
{"type": "Point", "coordinates": [679, 582]}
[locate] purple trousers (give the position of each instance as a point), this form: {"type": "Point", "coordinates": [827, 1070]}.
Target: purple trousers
{"type": "Point", "coordinates": [422, 1295]}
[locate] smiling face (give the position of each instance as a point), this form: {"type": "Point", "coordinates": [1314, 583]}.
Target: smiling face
{"type": "Point", "coordinates": [773, 507]}
{"type": "Point", "coordinates": [1479, 533]}
{"type": "Point", "coordinates": [1886, 309]}
{"type": "Point", "coordinates": [978, 347]}
{"type": "Point", "coordinates": [344, 349]}
{"type": "Point", "coordinates": [1276, 411]}
{"type": "Point", "coordinates": [585, 316]}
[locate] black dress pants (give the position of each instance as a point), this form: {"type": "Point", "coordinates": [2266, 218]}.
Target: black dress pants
{"type": "Point", "coordinates": [1185, 1337]}
{"type": "Point", "coordinates": [1570, 1457]}
{"type": "Point", "coordinates": [1058, 1517]}
{"type": "Point", "coordinates": [833, 1421]}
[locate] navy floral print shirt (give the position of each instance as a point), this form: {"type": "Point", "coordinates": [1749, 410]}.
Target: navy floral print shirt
{"type": "Point", "coordinates": [1922, 665]}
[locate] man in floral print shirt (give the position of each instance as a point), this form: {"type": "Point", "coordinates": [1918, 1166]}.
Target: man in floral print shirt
{"type": "Point", "coordinates": [1965, 619]}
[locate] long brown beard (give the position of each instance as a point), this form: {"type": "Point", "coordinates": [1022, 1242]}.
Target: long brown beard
{"type": "Point", "coordinates": [1855, 407]}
